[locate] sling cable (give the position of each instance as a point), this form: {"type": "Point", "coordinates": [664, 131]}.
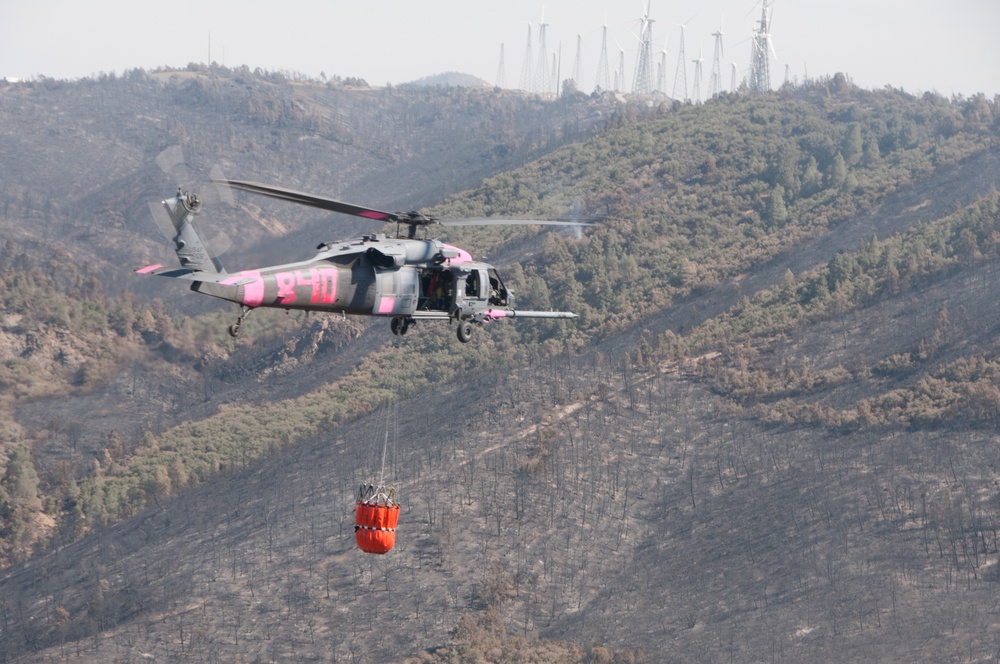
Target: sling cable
{"type": "Point", "coordinates": [376, 511]}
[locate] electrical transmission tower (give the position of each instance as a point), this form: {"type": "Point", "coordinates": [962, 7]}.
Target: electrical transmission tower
{"type": "Point", "coordinates": [556, 66]}
{"type": "Point", "coordinates": [603, 83]}
{"type": "Point", "coordinates": [525, 82]}
{"type": "Point", "coordinates": [541, 82]}
{"type": "Point", "coordinates": [501, 72]}
{"type": "Point", "coordinates": [760, 73]}
{"type": "Point", "coordinates": [661, 72]}
{"type": "Point", "coordinates": [696, 95]}
{"type": "Point", "coordinates": [716, 82]}
{"type": "Point", "coordinates": [642, 82]}
{"type": "Point", "coordinates": [620, 72]}
{"type": "Point", "coordinates": [576, 61]}
{"type": "Point", "coordinates": [680, 76]}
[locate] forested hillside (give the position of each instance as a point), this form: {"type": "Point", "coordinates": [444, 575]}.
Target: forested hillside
{"type": "Point", "coordinates": [80, 159]}
{"type": "Point", "coordinates": [769, 435]}
{"type": "Point", "coordinates": [80, 164]}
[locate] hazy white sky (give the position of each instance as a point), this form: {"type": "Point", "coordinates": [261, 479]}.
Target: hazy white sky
{"type": "Point", "coordinates": [919, 45]}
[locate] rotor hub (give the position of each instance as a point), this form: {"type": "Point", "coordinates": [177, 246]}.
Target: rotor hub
{"type": "Point", "coordinates": [191, 202]}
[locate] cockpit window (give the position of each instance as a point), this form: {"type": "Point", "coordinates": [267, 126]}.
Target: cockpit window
{"type": "Point", "coordinates": [472, 284]}
{"type": "Point", "coordinates": [498, 292]}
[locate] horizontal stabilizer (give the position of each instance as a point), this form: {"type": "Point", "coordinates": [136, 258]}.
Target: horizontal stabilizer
{"type": "Point", "coordinates": [173, 272]}
{"type": "Point", "coordinates": [203, 281]}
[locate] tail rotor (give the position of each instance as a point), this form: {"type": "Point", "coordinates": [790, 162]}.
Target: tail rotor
{"type": "Point", "coordinates": [174, 217]}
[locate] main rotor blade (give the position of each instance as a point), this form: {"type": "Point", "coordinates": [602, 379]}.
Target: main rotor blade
{"type": "Point", "coordinates": [303, 198]}
{"type": "Point", "coordinates": [411, 219]}
{"type": "Point", "coordinates": [502, 221]}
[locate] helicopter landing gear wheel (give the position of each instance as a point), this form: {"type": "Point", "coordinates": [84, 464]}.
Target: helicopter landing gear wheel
{"type": "Point", "coordinates": [464, 331]}
{"type": "Point", "coordinates": [234, 329]}
{"type": "Point", "coordinates": [399, 325]}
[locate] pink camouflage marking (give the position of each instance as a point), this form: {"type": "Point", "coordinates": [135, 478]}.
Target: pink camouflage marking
{"type": "Point", "coordinates": [320, 286]}
{"type": "Point", "coordinates": [463, 255]}
{"type": "Point", "coordinates": [253, 290]}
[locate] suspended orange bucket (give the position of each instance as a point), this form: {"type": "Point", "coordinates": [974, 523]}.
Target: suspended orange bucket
{"type": "Point", "coordinates": [376, 511]}
{"type": "Point", "coordinates": [375, 526]}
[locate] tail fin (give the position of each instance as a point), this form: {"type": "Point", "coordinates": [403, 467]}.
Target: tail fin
{"type": "Point", "coordinates": [190, 245]}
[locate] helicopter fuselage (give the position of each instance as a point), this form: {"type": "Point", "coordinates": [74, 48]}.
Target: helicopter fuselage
{"type": "Point", "coordinates": [372, 275]}
{"type": "Point", "coordinates": [405, 279]}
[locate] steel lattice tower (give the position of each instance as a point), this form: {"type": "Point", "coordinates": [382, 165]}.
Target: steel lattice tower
{"type": "Point", "coordinates": [603, 82]}
{"type": "Point", "coordinates": [576, 61]}
{"type": "Point", "coordinates": [541, 80]}
{"type": "Point", "coordinates": [716, 83]}
{"type": "Point", "coordinates": [760, 72]}
{"type": "Point", "coordinates": [696, 94]}
{"type": "Point", "coordinates": [620, 72]}
{"type": "Point", "coordinates": [680, 76]}
{"type": "Point", "coordinates": [556, 66]}
{"type": "Point", "coordinates": [642, 81]}
{"type": "Point", "coordinates": [525, 82]}
{"type": "Point", "coordinates": [501, 72]}
{"type": "Point", "coordinates": [661, 72]}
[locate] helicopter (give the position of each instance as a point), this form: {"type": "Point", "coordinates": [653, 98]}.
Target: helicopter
{"type": "Point", "coordinates": [405, 279]}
